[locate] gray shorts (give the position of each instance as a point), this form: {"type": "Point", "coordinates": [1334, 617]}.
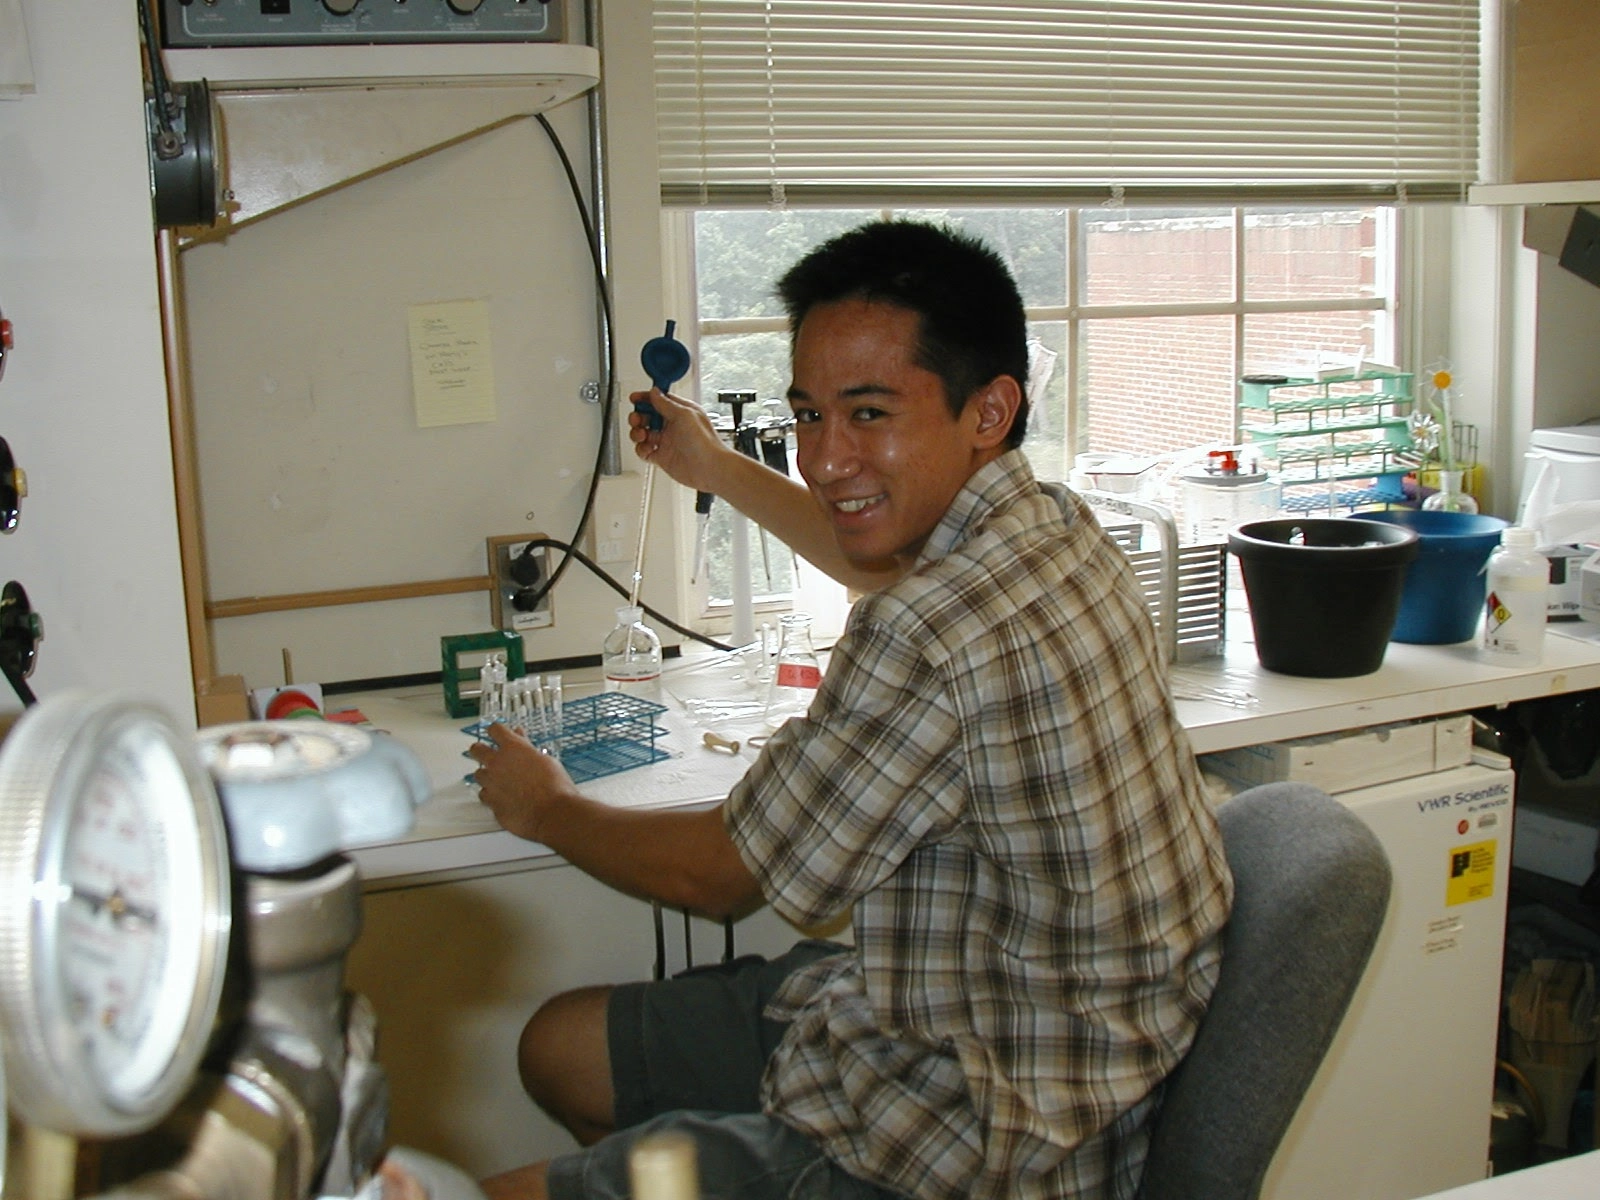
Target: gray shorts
{"type": "Point", "coordinates": [687, 1054]}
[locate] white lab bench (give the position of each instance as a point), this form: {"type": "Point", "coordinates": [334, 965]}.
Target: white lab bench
{"type": "Point", "coordinates": [1575, 1178]}
{"type": "Point", "coordinates": [468, 929]}
{"type": "Point", "coordinates": [1223, 702]}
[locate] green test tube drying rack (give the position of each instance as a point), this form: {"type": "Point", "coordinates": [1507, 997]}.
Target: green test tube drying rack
{"type": "Point", "coordinates": [453, 673]}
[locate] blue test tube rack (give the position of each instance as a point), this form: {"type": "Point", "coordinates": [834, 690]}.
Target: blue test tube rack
{"type": "Point", "coordinates": [603, 734]}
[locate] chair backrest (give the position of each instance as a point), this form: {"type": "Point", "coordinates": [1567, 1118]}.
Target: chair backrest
{"type": "Point", "coordinates": [1311, 886]}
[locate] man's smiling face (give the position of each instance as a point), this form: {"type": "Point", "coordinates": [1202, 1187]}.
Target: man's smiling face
{"type": "Point", "coordinates": [876, 441]}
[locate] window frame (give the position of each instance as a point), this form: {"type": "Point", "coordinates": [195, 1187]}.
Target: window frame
{"type": "Point", "coordinates": [1417, 283]}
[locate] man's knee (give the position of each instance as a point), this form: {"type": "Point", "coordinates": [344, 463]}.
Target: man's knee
{"type": "Point", "coordinates": [565, 1062]}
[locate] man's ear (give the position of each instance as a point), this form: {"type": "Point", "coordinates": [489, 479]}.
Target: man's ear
{"type": "Point", "coordinates": [995, 406]}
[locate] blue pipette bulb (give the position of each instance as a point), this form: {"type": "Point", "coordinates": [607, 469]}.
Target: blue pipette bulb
{"type": "Point", "coordinates": [666, 360]}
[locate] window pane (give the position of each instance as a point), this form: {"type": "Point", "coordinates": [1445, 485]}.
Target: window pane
{"type": "Point", "coordinates": [744, 362]}
{"type": "Point", "coordinates": [1032, 241]}
{"type": "Point", "coordinates": [1049, 444]}
{"type": "Point", "coordinates": [1156, 384]}
{"type": "Point", "coordinates": [740, 254]}
{"type": "Point", "coordinates": [1140, 384]}
{"type": "Point", "coordinates": [1146, 256]}
{"type": "Point", "coordinates": [1294, 255]}
{"type": "Point", "coordinates": [771, 562]}
{"type": "Point", "coordinates": [1275, 341]}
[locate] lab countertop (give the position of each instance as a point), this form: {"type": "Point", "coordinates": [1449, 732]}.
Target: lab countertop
{"type": "Point", "coordinates": [1231, 701]}
{"type": "Point", "coordinates": [1575, 1178]}
{"type": "Point", "coordinates": [1223, 702]}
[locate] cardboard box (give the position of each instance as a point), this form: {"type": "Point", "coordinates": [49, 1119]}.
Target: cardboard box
{"type": "Point", "coordinates": [222, 700]}
{"type": "Point", "coordinates": [1343, 762]}
{"type": "Point", "coordinates": [1554, 842]}
{"type": "Point", "coordinates": [1554, 91]}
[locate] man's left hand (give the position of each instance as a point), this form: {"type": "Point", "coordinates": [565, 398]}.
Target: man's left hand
{"type": "Point", "coordinates": [517, 781]}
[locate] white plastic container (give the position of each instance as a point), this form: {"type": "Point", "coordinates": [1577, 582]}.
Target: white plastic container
{"type": "Point", "coordinates": [1224, 492]}
{"type": "Point", "coordinates": [1516, 600]}
{"type": "Point", "coordinates": [631, 656]}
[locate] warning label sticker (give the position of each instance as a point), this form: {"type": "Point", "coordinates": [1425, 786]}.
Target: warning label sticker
{"type": "Point", "coordinates": [1471, 873]}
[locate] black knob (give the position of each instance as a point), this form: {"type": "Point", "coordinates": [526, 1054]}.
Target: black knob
{"type": "Point", "coordinates": [21, 631]}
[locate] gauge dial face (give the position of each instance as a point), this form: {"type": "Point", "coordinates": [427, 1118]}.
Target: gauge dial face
{"type": "Point", "coordinates": [114, 913]}
{"type": "Point", "coordinates": [129, 915]}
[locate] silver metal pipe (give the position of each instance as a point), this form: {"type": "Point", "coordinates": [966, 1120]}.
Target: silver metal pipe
{"type": "Point", "coordinates": [611, 458]}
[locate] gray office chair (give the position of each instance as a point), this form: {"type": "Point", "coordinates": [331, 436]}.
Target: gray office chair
{"type": "Point", "coordinates": [1311, 885]}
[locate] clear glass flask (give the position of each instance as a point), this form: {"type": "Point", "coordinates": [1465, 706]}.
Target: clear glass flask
{"type": "Point", "coordinates": [1450, 497]}
{"type": "Point", "coordinates": [796, 673]}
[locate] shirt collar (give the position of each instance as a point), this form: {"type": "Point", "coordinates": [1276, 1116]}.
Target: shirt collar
{"type": "Point", "coordinates": [992, 486]}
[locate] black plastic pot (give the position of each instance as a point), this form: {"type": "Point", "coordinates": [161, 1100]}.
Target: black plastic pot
{"type": "Point", "coordinates": [1324, 591]}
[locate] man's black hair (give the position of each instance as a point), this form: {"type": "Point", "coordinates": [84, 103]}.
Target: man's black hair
{"type": "Point", "coordinates": [972, 323]}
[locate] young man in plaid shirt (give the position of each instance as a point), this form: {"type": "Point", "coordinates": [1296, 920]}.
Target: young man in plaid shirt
{"type": "Point", "coordinates": [991, 780]}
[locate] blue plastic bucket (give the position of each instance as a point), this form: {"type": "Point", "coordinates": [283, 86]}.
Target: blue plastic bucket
{"type": "Point", "coordinates": [1442, 597]}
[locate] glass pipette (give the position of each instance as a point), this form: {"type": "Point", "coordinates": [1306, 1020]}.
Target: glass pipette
{"type": "Point", "coordinates": [665, 360]}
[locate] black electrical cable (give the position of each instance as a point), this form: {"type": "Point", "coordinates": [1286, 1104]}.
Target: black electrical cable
{"type": "Point", "coordinates": [661, 940]}
{"type": "Point", "coordinates": [20, 686]}
{"type": "Point", "coordinates": [608, 384]}
{"type": "Point", "coordinates": [569, 550]}
{"type": "Point", "coordinates": [600, 572]}
{"type": "Point", "coordinates": [166, 106]}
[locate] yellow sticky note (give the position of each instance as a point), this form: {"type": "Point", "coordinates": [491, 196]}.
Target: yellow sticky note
{"type": "Point", "coordinates": [1471, 873]}
{"type": "Point", "coordinates": [452, 372]}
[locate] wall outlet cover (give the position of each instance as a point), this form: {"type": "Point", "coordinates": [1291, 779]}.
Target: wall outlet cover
{"type": "Point", "coordinates": [517, 570]}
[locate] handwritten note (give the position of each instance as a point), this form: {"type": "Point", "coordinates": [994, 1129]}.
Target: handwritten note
{"type": "Point", "coordinates": [452, 373]}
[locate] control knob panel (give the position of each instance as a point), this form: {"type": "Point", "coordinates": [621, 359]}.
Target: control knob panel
{"type": "Point", "coordinates": [197, 23]}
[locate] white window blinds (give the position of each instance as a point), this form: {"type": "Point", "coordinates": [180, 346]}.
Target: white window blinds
{"type": "Point", "coordinates": [872, 101]}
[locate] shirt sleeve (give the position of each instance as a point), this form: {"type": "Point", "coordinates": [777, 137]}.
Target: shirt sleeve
{"type": "Point", "coordinates": [840, 797]}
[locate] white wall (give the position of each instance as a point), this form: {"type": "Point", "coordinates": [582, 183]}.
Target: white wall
{"type": "Point", "coordinates": [83, 403]}
{"type": "Point", "coordinates": [1567, 346]}
{"type": "Point", "coordinates": [1524, 343]}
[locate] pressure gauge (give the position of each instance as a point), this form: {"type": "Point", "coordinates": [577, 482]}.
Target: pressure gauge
{"type": "Point", "coordinates": [114, 913]}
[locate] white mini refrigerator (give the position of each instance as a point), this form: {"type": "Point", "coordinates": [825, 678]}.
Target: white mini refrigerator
{"type": "Point", "coordinates": [1401, 1106]}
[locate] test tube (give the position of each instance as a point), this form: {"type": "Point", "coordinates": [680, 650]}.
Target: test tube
{"type": "Point", "coordinates": [557, 729]}
{"type": "Point", "coordinates": [538, 720]}
{"type": "Point", "coordinates": [524, 715]}
{"type": "Point", "coordinates": [768, 656]}
{"type": "Point", "coordinates": [491, 690]}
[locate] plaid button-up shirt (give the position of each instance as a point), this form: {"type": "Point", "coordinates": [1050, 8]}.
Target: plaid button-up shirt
{"type": "Point", "coordinates": [993, 775]}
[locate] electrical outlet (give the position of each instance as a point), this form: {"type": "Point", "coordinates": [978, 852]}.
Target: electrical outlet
{"type": "Point", "coordinates": [615, 523]}
{"type": "Point", "coordinates": [517, 571]}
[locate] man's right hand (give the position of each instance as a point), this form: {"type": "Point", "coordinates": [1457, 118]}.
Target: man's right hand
{"type": "Point", "coordinates": [686, 447]}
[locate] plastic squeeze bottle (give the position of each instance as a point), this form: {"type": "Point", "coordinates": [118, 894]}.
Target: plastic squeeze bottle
{"type": "Point", "coordinates": [1515, 604]}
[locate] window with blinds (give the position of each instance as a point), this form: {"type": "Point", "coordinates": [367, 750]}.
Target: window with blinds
{"type": "Point", "coordinates": [1023, 101]}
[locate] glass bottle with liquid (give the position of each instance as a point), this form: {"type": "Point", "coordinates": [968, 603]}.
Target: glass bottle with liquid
{"type": "Point", "coordinates": [631, 656]}
{"type": "Point", "coordinates": [796, 673]}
